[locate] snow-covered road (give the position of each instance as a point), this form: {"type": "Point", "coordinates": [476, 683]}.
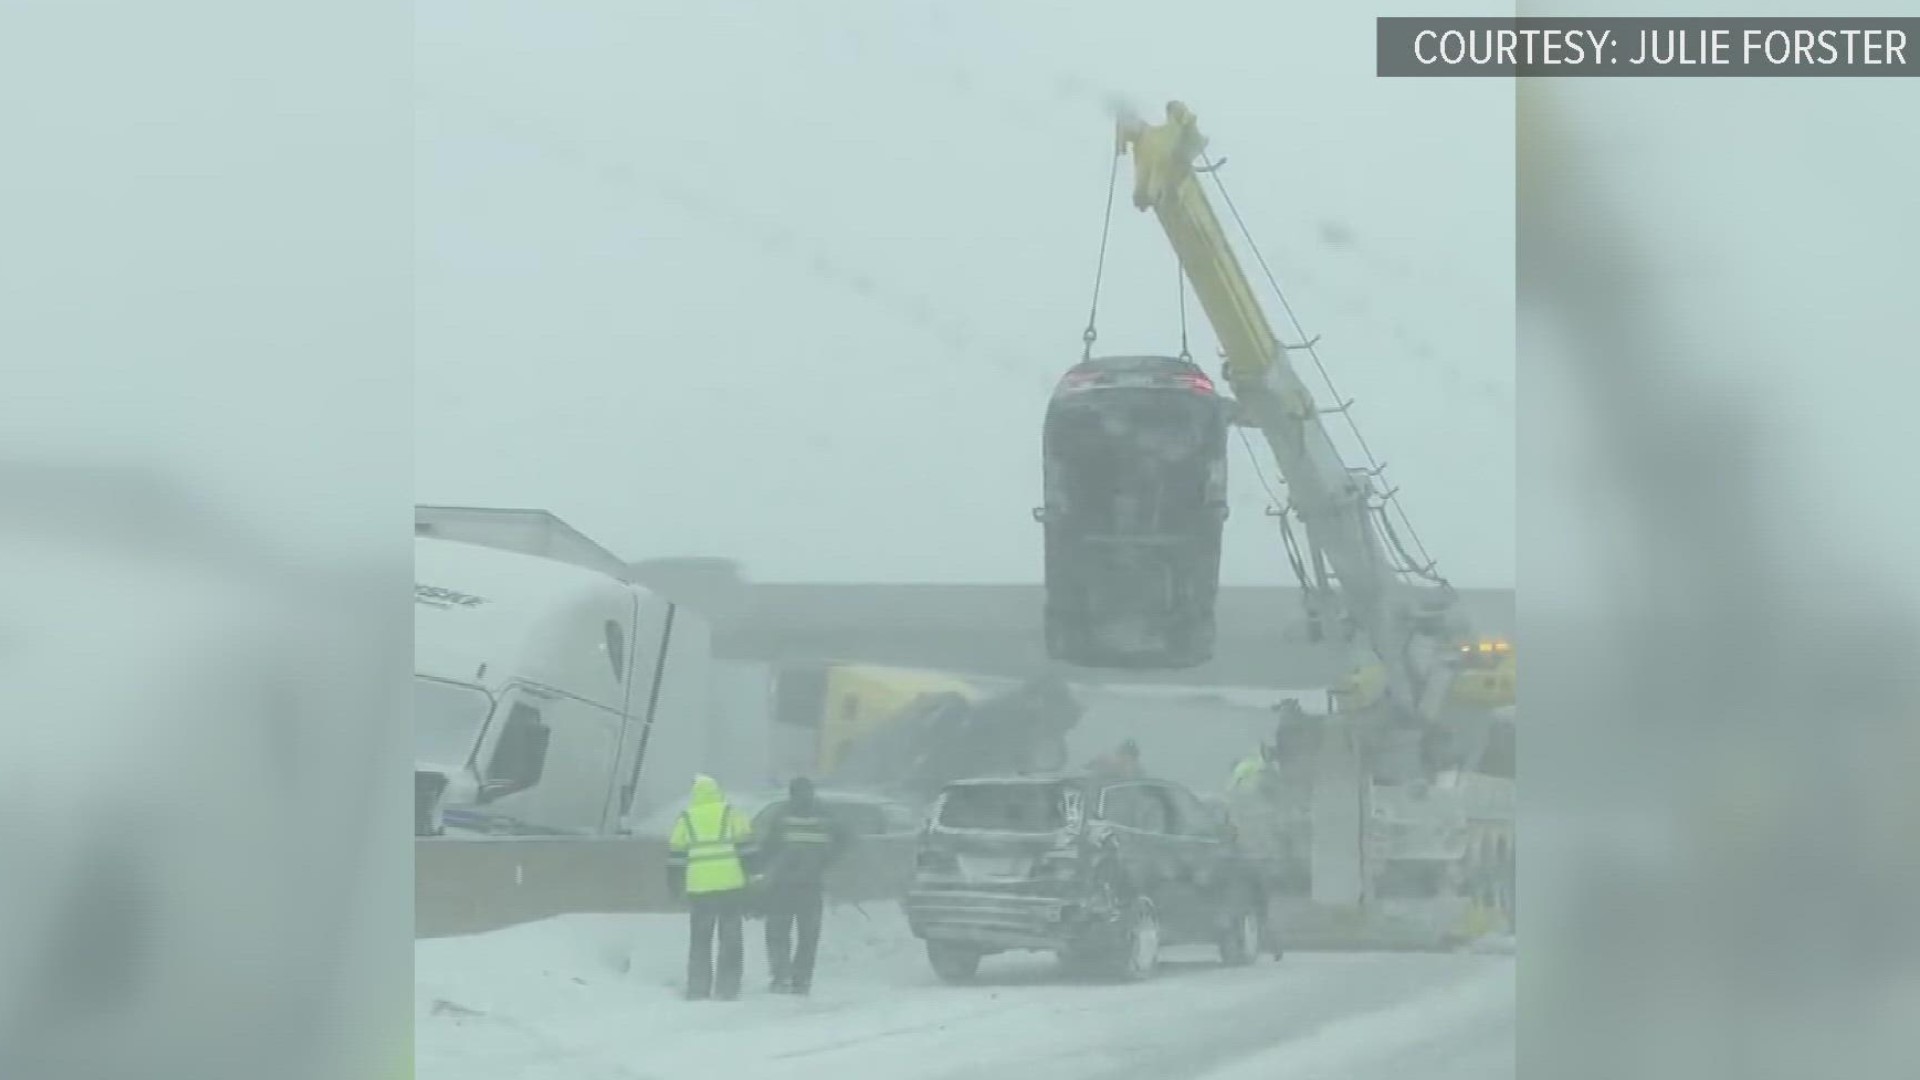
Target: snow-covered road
{"type": "Point", "coordinates": [596, 998]}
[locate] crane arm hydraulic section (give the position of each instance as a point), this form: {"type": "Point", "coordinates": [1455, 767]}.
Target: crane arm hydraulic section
{"type": "Point", "coordinates": [1406, 626]}
{"type": "Point", "coordinates": [1400, 613]}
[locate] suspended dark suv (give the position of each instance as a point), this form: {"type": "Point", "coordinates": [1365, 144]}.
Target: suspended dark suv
{"type": "Point", "coordinates": [1135, 455]}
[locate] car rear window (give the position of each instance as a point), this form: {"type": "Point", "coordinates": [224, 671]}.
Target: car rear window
{"type": "Point", "coordinates": [1090, 430]}
{"type": "Point", "coordinates": [1004, 807]}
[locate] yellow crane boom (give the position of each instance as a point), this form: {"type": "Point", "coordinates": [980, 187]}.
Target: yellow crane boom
{"type": "Point", "coordinates": [1362, 799]}
{"type": "Point", "coordinates": [1335, 504]}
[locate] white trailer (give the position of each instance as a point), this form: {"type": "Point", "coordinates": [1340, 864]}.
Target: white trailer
{"type": "Point", "coordinates": [549, 697]}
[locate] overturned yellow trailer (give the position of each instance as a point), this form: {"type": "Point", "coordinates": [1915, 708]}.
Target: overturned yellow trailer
{"type": "Point", "coordinates": [827, 707]}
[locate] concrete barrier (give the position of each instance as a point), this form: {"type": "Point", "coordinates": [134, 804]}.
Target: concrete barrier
{"type": "Point", "coordinates": [466, 885]}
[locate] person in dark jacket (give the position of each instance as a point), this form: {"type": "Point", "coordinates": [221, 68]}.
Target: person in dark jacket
{"type": "Point", "coordinates": [1122, 764]}
{"type": "Point", "coordinates": [800, 843]}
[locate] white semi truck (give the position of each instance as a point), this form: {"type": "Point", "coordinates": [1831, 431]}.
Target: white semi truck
{"type": "Point", "coordinates": [551, 697]}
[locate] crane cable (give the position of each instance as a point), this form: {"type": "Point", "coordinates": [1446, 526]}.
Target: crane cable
{"type": "Point", "coordinates": [1100, 267]}
{"type": "Point", "coordinates": [1180, 280]}
{"type": "Point", "coordinates": [1427, 570]}
{"type": "Point", "coordinates": [1292, 544]}
{"type": "Point", "coordinates": [1295, 557]}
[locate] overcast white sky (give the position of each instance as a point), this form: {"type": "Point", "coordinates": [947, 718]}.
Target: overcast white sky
{"type": "Point", "coordinates": [742, 278]}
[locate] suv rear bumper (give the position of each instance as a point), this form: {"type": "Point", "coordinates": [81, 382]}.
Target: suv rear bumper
{"type": "Point", "coordinates": [996, 920]}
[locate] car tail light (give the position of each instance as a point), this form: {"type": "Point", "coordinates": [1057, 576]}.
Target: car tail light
{"type": "Point", "coordinates": [1199, 383]}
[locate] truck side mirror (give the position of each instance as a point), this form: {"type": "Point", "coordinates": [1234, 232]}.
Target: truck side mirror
{"type": "Point", "coordinates": [520, 757]}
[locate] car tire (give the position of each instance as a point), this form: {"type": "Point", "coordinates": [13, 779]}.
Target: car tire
{"type": "Point", "coordinates": [1244, 937]}
{"type": "Point", "coordinates": [953, 963]}
{"type": "Point", "coordinates": [1076, 962]}
{"type": "Point", "coordinates": [1205, 635]}
{"type": "Point", "coordinates": [1135, 954]}
{"type": "Point", "coordinates": [1066, 643]}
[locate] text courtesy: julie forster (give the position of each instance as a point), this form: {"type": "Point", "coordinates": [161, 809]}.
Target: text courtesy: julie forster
{"type": "Point", "coordinates": [1647, 48]}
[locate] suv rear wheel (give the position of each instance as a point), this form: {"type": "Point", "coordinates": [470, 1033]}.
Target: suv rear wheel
{"type": "Point", "coordinates": [1241, 939]}
{"type": "Point", "coordinates": [1135, 954]}
{"type": "Point", "coordinates": [953, 963]}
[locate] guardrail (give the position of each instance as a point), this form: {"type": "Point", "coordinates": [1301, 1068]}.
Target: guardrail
{"type": "Point", "coordinates": [469, 884]}
{"type": "Point", "coordinates": [466, 885]}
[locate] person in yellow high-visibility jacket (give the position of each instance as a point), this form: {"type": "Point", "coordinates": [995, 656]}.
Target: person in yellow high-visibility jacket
{"type": "Point", "coordinates": [707, 863]}
{"type": "Point", "coordinates": [1253, 771]}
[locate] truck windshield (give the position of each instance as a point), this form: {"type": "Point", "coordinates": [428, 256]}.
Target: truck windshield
{"type": "Point", "coordinates": [1031, 808]}
{"type": "Point", "coordinates": [447, 718]}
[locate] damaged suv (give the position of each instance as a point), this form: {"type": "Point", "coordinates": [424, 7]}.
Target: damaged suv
{"type": "Point", "coordinates": [1101, 872]}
